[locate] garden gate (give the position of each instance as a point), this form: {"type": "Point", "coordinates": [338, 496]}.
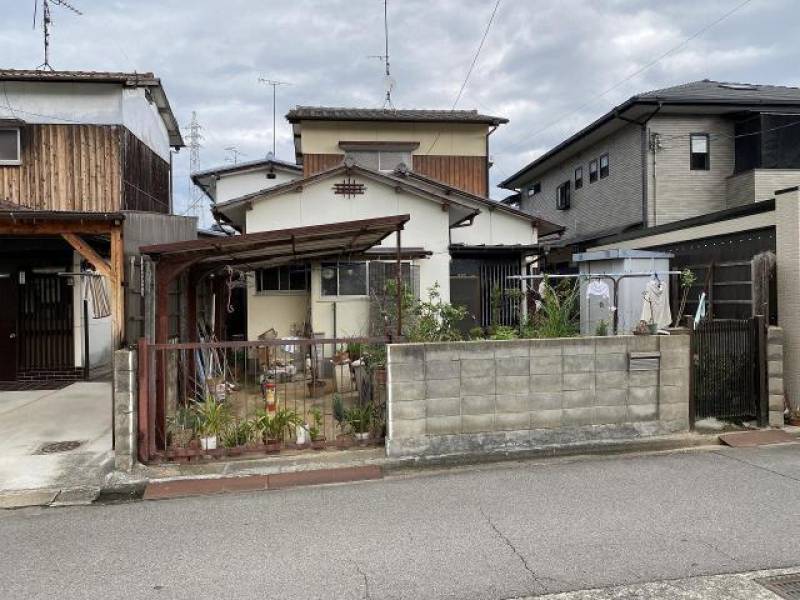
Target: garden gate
{"type": "Point", "coordinates": [729, 369]}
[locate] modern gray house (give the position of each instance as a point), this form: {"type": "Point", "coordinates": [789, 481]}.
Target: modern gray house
{"type": "Point", "coordinates": [665, 156]}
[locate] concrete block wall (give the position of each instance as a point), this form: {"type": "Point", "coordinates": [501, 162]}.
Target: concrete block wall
{"type": "Point", "coordinates": [125, 410]}
{"type": "Point", "coordinates": [467, 397]}
{"type": "Point", "coordinates": [775, 375]}
{"type": "Point", "coordinates": [787, 251]}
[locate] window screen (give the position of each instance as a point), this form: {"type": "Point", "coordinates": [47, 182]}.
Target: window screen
{"type": "Point", "coordinates": [699, 152]}
{"type": "Point", "coordinates": [9, 146]}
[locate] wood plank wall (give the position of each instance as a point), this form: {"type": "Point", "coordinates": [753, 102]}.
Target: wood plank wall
{"type": "Point", "coordinates": [145, 177]}
{"type": "Point", "coordinates": [467, 173]}
{"type": "Point", "coordinates": [65, 167]}
{"type": "Point", "coordinates": [314, 163]}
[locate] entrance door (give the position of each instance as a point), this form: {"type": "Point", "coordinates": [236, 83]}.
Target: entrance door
{"type": "Point", "coordinates": [8, 327]}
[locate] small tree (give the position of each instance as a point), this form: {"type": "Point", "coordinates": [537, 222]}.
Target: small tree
{"type": "Point", "coordinates": [435, 320]}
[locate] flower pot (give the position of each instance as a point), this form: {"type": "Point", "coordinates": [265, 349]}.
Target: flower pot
{"type": "Point", "coordinates": [318, 444]}
{"type": "Point", "coordinates": [652, 328]}
{"type": "Point", "coordinates": [380, 376]}
{"type": "Point", "coordinates": [272, 446]}
{"type": "Point", "coordinates": [208, 443]}
{"type": "Point", "coordinates": [362, 437]}
{"type": "Point", "coordinates": [344, 441]}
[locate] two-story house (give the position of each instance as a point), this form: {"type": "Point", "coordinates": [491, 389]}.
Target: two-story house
{"type": "Point", "coordinates": [366, 163]}
{"type": "Point", "coordinates": [665, 156]}
{"type": "Point", "coordinates": [85, 178]}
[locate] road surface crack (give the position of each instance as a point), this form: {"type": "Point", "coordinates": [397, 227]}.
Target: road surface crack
{"type": "Point", "coordinates": [366, 581]}
{"type": "Point", "coordinates": [516, 552]}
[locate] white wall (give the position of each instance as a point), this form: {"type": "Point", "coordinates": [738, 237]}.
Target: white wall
{"type": "Point", "coordinates": [495, 227]}
{"type": "Point", "coordinates": [279, 310]}
{"type": "Point", "coordinates": [142, 119]}
{"type": "Point", "coordinates": [234, 185]}
{"type": "Point", "coordinates": [99, 329]}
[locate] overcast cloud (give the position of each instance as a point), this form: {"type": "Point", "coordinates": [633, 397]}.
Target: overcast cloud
{"type": "Point", "coordinates": [543, 59]}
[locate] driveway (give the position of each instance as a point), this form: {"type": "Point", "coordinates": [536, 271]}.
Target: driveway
{"type": "Point", "coordinates": [29, 420]}
{"type": "Point", "coordinates": [495, 532]}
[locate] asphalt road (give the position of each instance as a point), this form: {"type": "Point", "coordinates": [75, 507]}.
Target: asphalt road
{"type": "Point", "coordinates": [494, 532]}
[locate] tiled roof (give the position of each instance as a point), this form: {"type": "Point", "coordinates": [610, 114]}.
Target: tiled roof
{"type": "Point", "coordinates": [74, 76]}
{"type": "Point", "coordinates": [328, 113]}
{"type": "Point", "coordinates": [707, 90]}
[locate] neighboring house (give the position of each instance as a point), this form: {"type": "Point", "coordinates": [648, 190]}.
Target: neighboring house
{"type": "Point", "coordinates": [667, 155]}
{"type": "Point", "coordinates": [85, 177]}
{"type": "Point", "coordinates": [225, 183]}
{"type": "Point", "coordinates": [363, 163]}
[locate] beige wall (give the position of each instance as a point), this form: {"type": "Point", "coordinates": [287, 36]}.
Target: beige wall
{"type": "Point", "coordinates": [495, 227]}
{"type": "Point", "coordinates": [760, 184]}
{"type": "Point", "coordinates": [462, 139]}
{"type": "Point", "coordinates": [282, 311]}
{"type": "Point", "coordinates": [234, 185]}
{"type": "Point", "coordinates": [787, 243]}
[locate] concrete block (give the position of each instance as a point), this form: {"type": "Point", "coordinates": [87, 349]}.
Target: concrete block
{"type": "Point", "coordinates": [611, 362]}
{"type": "Point", "coordinates": [578, 399]}
{"type": "Point", "coordinates": [775, 368]}
{"type": "Point", "coordinates": [609, 415]}
{"type": "Point", "coordinates": [512, 348]}
{"type": "Point", "coordinates": [443, 351]}
{"type": "Point", "coordinates": [512, 403]}
{"type": "Point", "coordinates": [477, 385]}
{"type": "Point", "coordinates": [674, 394]}
{"type": "Point", "coordinates": [125, 382]}
{"type": "Point", "coordinates": [643, 378]}
{"type": "Point", "coordinates": [611, 397]}
{"type": "Point", "coordinates": [407, 391]}
{"type": "Point", "coordinates": [545, 419]}
{"type": "Point", "coordinates": [414, 409]}
{"type": "Point", "coordinates": [774, 352]}
{"type": "Point", "coordinates": [611, 380]}
{"type": "Point", "coordinates": [442, 388]}
{"type": "Point", "coordinates": [776, 418]}
{"type": "Point", "coordinates": [674, 412]}
{"type": "Point", "coordinates": [674, 343]}
{"type": "Point", "coordinates": [443, 407]}
{"type": "Point", "coordinates": [512, 384]}
{"type": "Point", "coordinates": [408, 429]}
{"type": "Point", "coordinates": [406, 354]}
{"type": "Point", "coordinates": [512, 421]}
{"type": "Point", "coordinates": [642, 395]}
{"type": "Point", "coordinates": [670, 377]}
{"type": "Point", "coordinates": [577, 417]}
{"type": "Point", "coordinates": [775, 335]}
{"type": "Point", "coordinates": [443, 425]}
{"type": "Point", "coordinates": [643, 343]}
{"type": "Point", "coordinates": [582, 346]}
{"type": "Point", "coordinates": [477, 368]}
{"type": "Point", "coordinates": [775, 385]}
{"type": "Point", "coordinates": [642, 412]}
{"type": "Point", "coordinates": [513, 365]}
{"type": "Point", "coordinates": [477, 350]}
{"type": "Point", "coordinates": [477, 423]}
{"type": "Point", "coordinates": [545, 400]}
{"type": "Point", "coordinates": [402, 372]}
{"type": "Point", "coordinates": [546, 347]}
{"type": "Point", "coordinates": [579, 363]}
{"type": "Point", "coordinates": [545, 364]}
{"type": "Point", "coordinates": [546, 383]}
{"type": "Point", "coordinates": [442, 369]}
{"type": "Point", "coordinates": [673, 359]}
{"type": "Point", "coordinates": [611, 345]}
{"type": "Point", "coordinates": [776, 402]}
{"type": "Point", "coordinates": [125, 360]}
{"type": "Point", "coordinates": [477, 405]}
{"type": "Point", "coordinates": [578, 381]}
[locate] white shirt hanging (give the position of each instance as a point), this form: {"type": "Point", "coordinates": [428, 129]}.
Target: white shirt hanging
{"type": "Point", "coordinates": [598, 288]}
{"type": "Point", "coordinates": [655, 308]}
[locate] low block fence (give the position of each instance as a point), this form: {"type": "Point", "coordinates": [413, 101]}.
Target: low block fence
{"type": "Point", "coordinates": [501, 396]}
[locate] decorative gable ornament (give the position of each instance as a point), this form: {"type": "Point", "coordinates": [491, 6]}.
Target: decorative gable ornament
{"type": "Point", "coordinates": [349, 188]}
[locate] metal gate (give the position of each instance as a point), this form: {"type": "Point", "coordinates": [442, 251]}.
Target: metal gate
{"type": "Point", "coordinates": [728, 371]}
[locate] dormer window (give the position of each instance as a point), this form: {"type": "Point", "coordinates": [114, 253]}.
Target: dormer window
{"type": "Point", "coordinates": [10, 147]}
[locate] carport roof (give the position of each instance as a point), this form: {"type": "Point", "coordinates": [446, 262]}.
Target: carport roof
{"type": "Point", "coordinates": [282, 246]}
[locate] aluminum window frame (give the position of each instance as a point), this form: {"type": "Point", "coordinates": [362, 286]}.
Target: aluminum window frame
{"type": "Point", "coordinates": [594, 170]}
{"type": "Point", "coordinates": [578, 175]}
{"type": "Point", "coordinates": [707, 153]}
{"type": "Point", "coordinates": [18, 161]}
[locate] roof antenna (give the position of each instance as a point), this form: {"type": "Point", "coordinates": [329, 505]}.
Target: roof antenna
{"type": "Point", "coordinates": [46, 22]}
{"type": "Point", "coordinates": [274, 83]}
{"type": "Point", "coordinates": [389, 82]}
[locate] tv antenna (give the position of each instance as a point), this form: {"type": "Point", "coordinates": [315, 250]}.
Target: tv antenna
{"type": "Point", "coordinates": [388, 81]}
{"type": "Point", "coordinates": [274, 83]}
{"type": "Point", "coordinates": [47, 21]}
{"type": "Point", "coordinates": [235, 153]}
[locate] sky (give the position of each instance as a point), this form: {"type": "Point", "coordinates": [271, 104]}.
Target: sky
{"type": "Point", "coordinates": [550, 66]}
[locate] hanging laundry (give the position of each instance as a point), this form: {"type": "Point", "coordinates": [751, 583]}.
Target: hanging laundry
{"type": "Point", "coordinates": [701, 310]}
{"type": "Point", "coordinates": [94, 290]}
{"type": "Point", "coordinates": [655, 308]}
{"type": "Point", "coordinates": [598, 288]}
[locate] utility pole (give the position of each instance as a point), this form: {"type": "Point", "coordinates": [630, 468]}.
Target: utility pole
{"type": "Point", "coordinates": [274, 83]}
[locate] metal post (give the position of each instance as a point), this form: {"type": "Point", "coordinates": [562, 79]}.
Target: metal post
{"type": "Point", "coordinates": [760, 324]}
{"type": "Point", "coordinates": [145, 434]}
{"type": "Point", "coordinates": [399, 285]}
{"type": "Point", "coordinates": [86, 340]}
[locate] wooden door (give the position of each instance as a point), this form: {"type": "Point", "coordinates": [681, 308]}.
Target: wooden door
{"type": "Point", "coordinates": [8, 326]}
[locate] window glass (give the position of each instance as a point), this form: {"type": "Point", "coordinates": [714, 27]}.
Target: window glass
{"type": "Point", "coordinates": [578, 178]}
{"type": "Point", "coordinates": [328, 274]}
{"type": "Point", "coordinates": [282, 279]}
{"type": "Point", "coordinates": [562, 196]}
{"type": "Point", "coordinates": [389, 161]}
{"type": "Point", "coordinates": [9, 145]}
{"type": "Point", "coordinates": [269, 280]}
{"type": "Point", "coordinates": [592, 171]}
{"type": "Point", "coordinates": [352, 279]}
{"type": "Point", "coordinates": [298, 278]}
{"type": "Point", "coordinates": [604, 166]}
{"type": "Point", "coordinates": [698, 147]}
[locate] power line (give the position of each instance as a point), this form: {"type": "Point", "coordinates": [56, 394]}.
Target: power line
{"type": "Point", "coordinates": [638, 71]}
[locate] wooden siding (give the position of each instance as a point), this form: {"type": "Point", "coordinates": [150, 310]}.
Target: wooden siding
{"type": "Point", "coordinates": [65, 167]}
{"type": "Point", "coordinates": [314, 163]}
{"type": "Point", "coordinates": [464, 172]}
{"type": "Point", "coordinates": [145, 177]}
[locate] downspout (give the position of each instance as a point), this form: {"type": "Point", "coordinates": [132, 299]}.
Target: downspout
{"type": "Point", "coordinates": [491, 131]}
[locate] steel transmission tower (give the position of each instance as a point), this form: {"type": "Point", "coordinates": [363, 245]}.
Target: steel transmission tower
{"type": "Point", "coordinates": [196, 203]}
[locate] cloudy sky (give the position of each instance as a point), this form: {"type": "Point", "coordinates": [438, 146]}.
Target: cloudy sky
{"type": "Point", "coordinates": [544, 65]}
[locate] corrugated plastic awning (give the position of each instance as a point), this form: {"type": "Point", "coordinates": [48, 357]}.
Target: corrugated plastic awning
{"type": "Point", "coordinates": [282, 246]}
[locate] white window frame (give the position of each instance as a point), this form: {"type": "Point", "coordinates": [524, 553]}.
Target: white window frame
{"type": "Point", "coordinates": [18, 161]}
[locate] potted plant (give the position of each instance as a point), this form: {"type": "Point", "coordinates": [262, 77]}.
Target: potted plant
{"type": "Point", "coordinates": [212, 418]}
{"type": "Point", "coordinates": [317, 429]}
{"type": "Point", "coordinates": [343, 440]}
{"type": "Point", "coordinates": [236, 436]}
{"type": "Point", "coordinates": [181, 427]}
{"type": "Point", "coordinates": [359, 419]}
{"type": "Point", "coordinates": [375, 362]}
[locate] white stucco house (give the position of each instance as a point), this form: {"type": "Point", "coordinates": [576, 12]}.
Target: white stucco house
{"type": "Point", "coordinates": [457, 239]}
